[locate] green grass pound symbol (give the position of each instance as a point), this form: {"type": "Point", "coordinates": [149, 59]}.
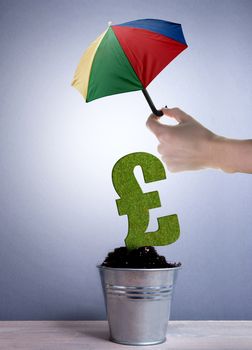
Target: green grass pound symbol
{"type": "Point", "coordinates": [136, 204]}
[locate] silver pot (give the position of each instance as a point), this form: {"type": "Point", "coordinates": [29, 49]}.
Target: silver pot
{"type": "Point", "coordinates": [138, 303]}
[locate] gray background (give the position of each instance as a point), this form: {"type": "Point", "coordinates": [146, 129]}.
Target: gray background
{"type": "Point", "coordinates": [58, 216]}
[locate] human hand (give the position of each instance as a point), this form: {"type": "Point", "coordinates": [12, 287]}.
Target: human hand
{"type": "Point", "coordinates": [185, 146]}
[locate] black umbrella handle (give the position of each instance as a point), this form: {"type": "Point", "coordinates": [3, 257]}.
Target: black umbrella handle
{"type": "Point", "coordinates": [158, 113]}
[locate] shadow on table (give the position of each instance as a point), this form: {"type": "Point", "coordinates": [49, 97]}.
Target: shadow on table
{"type": "Point", "coordinates": [96, 329]}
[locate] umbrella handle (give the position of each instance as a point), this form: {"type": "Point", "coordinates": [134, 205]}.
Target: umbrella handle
{"type": "Point", "coordinates": [158, 113]}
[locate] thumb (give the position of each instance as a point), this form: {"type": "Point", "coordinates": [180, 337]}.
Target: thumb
{"type": "Point", "coordinates": [177, 114]}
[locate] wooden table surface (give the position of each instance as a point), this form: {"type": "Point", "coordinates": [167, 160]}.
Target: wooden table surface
{"type": "Point", "coordinates": [93, 335]}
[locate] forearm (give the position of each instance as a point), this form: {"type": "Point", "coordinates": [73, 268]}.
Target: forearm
{"type": "Point", "coordinates": [232, 155]}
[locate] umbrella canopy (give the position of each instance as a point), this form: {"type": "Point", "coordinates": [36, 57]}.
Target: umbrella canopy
{"type": "Point", "coordinates": [127, 57]}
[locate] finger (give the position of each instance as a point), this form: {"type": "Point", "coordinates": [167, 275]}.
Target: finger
{"type": "Point", "coordinates": [173, 167]}
{"type": "Point", "coordinates": [154, 125]}
{"type": "Point", "coordinates": [160, 149]}
{"type": "Point", "coordinates": [177, 114]}
{"type": "Point", "coordinates": [177, 166]}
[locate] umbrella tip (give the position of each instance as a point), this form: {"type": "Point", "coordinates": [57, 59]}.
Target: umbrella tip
{"type": "Point", "coordinates": [109, 23]}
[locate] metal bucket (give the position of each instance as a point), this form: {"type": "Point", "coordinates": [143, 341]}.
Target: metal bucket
{"type": "Point", "coordinates": [138, 303]}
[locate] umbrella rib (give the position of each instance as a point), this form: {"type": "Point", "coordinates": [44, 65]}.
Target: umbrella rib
{"type": "Point", "coordinates": [158, 113]}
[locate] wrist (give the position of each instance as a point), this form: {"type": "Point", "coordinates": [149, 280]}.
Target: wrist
{"type": "Point", "coordinates": [222, 155]}
{"type": "Point", "coordinates": [232, 155]}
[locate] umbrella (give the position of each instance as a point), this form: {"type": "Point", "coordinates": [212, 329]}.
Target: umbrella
{"type": "Point", "coordinates": [127, 57]}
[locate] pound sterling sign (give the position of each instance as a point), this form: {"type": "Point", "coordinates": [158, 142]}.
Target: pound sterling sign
{"type": "Point", "coordinates": [136, 204]}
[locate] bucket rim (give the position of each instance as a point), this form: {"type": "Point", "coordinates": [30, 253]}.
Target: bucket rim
{"type": "Point", "coordinates": [101, 267]}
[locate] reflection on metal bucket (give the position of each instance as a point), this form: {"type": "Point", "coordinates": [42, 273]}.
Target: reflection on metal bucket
{"type": "Point", "coordinates": [138, 303]}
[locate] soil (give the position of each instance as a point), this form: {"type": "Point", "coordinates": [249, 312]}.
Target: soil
{"type": "Point", "coordinates": [141, 258]}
